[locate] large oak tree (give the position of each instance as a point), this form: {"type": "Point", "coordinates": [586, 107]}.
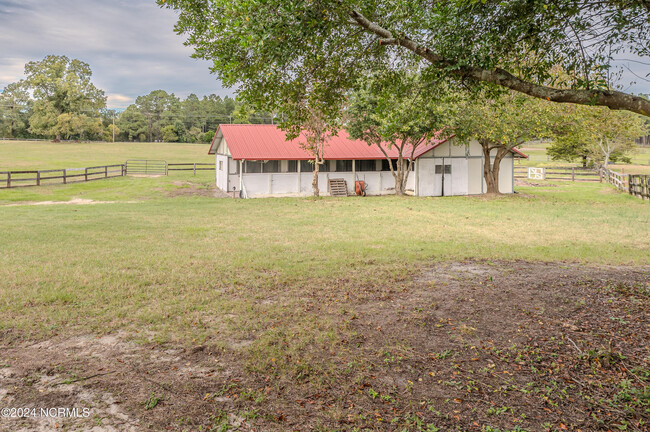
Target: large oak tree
{"type": "Point", "coordinates": [270, 48]}
{"type": "Point", "coordinates": [67, 103]}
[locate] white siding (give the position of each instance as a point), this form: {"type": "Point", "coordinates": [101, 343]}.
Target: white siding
{"type": "Point", "coordinates": [222, 171]}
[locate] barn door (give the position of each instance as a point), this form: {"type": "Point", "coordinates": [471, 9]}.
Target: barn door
{"type": "Point", "coordinates": [459, 177]}
{"type": "Point", "coordinates": [426, 177]}
{"type": "Point", "coordinates": [443, 180]}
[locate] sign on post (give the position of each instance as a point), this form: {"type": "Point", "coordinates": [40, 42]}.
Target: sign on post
{"type": "Point", "coordinates": [536, 173]}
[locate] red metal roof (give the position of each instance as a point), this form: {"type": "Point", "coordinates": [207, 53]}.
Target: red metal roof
{"type": "Point", "coordinates": [268, 142]}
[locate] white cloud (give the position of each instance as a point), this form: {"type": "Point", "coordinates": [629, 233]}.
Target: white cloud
{"type": "Point", "coordinates": [130, 45]}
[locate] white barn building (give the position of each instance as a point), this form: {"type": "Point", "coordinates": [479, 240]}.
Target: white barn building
{"type": "Point", "coordinates": [258, 161]}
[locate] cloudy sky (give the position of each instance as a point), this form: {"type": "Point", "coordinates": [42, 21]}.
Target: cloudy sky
{"type": "Point", "coordinates": [132, 48]}
{"type": "Point", "coordinates": [130, 45]}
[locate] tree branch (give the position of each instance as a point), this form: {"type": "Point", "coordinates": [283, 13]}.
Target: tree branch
{"type": "Point", "coordinates": [610, 98]}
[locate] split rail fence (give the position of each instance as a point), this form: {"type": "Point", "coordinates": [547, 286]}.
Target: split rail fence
{"type": "Point", "coordinates": [562, 173]}
{"type": "Point", "coordinates": [192, 166]}
{"type": "Point", "coordinates": [12, 179]}
{"type": "Point", "coordinates": [634, 184]}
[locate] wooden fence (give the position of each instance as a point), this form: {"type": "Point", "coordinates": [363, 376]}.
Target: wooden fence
{"type": "Point", "coordinates": [639, 186]}
{"type": "Point", "coordinates": [12, 179]}
{"type": "Point", "coordinates": [620, 181]}
{"type": "Point", "coordinates": [563, 173]}
{"type": "Point", "coordinates": [191, 166]}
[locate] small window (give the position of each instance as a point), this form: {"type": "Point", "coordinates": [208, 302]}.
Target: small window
{"type": "Point", "coordinates": [253, 167]}
{"type": "Point", "coordinates": [272, 166]}
{"type": "Point", "coordinates": [366, 165]}
{"type": "Point", "coordinates": [438, 169]}
{"type": "Point", "coordinates": [234, 167]}
{"type": "Point", "coordinates": [344, 165]}
{"type": "Point", "coordinates": [292, 166]}
{"type": "Point", "coordinates": [324, 167]}
{"type": "Point", "coordinates": [220, 165]}
{"type": "Point", "coordinates": [306, 166]}
{"type": "Point", "coordinates": [447, 169]}
{"type": "Point", "coordinates": [385, 164]}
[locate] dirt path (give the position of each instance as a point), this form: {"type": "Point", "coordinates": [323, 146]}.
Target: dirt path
{"type": "Point", "coordinates": [466, 345]}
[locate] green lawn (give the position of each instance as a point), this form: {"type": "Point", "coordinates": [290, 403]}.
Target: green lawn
{"type": "Point", "coordinates": [29, 155]}
{"type": "Point", "coordinates": [295, 293]}
{"type": "Point", "coordinates": [148, 256]}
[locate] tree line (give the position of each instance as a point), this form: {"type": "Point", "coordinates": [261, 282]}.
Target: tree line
{"type": "Point", "coordinates": [57, 100]}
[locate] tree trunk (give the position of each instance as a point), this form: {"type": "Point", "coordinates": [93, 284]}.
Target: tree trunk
{"type": "Point", "coordinates": [584, 161]}
{"type": "Point", "coordinates": [399, 176]}
{"type": "Point", "coordinates": [314, 183]}
{"type": "Point", "coordinates": [491, 170]}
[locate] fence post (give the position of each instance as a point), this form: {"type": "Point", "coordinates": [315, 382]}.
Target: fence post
{"type": "Point", "coordinates": [38, 178]}
{"type": "Point", "coordinates": [85, 174]}
{"type": "Point", "coordinates": [65, 180]}
{"type": "Point", "coordinates": [105, 171]}
{"type": "Point", "coordinates": [573, 174]}
{"type": "Point", "coordinates": [9, 179]}
{"type": "Point", "coordinates": [194, 168]}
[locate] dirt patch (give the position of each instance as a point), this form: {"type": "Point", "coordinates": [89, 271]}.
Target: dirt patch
{"type": "Point", "coordinates": [471, 346]}
{"type": "Point", "coordinates": [76, 201]}
{"type": "Point", "coordinates": [184, 188]}
{"type": "Point", "coordinates": [122, 386]}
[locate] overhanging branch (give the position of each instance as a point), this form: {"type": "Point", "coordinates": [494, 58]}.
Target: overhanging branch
{"type": "Point", "coordinates": [610, 98]}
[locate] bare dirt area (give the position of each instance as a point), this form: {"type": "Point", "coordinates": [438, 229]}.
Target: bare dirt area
{"type": "Point", "coordinates": [185, 188]}
{"type": "Point", "coordinates": [469, 346]}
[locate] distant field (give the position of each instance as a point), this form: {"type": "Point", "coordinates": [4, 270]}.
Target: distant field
{"type": "Point", "coordinates": [28, 155]}
{"type": "Point", "coordinates": [537, 157]}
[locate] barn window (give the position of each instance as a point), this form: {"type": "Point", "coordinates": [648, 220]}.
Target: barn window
{"type": "Point", "coordinates": [234, 167]}
{"type": "Point", "coordinates": [272, 166]}
{"type": "Point", "coordinates": [253, 166]}
{"type": "Point", "coordinates": [344, 165]}
{"type": "Point", "coordinates": [292, 166]}
{"type": "Point", "coordinates": [439, 169]}
{"type": "Point", "coordinates": [220, 165]}
{"type": "Point", "coordinates": [366, 165]}
{"type": "Point", "coordinates": [308, 166]}
{"type": "Point", "coordinates": [386, 167]}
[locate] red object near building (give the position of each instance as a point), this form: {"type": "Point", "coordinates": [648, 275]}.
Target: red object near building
{"type": "Point", "coordinates": [360, 187]}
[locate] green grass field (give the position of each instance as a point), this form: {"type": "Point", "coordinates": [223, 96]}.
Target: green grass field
{"type": "Point", "coordinates": [31, 155]}
{"type": "Point", "coordinates": [94, 265]}
{"type": "Point", "coordinates": [272, 280]}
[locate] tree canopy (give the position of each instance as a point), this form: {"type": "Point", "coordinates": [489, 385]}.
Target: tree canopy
{"type": "Point", "coordinates": [596, 134]}
{"type": "Point", "coordinates": [501, 123]}
{"type": "Point", "coordinates": [271, 48]}
{"type": "Point", "coordinates": [66, 101]}
{"type": "Point", "coordinates": [399, 110]}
